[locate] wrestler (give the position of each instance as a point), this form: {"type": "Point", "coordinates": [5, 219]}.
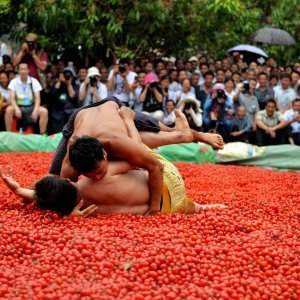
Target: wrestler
{"type": "Point", "coordinates": [110, 194]}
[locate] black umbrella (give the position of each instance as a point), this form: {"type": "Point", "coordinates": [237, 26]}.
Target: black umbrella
{"type": "Point", "coordinates": [272, 36]}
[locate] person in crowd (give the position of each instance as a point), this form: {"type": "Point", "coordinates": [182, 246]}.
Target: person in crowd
{"type": "Point", "coordinates": [194, 65]}
{"type": "Point", "coordinates": [25, 101]}
{"type": "Point", "coordinates": [236, 77]}
{"type": "Point", "coordinates": [295, 76]}
{"type": "Point", "coordinates": [273, 81]}
{"type": "Point", "coordinates": [92, 89]}
{"type": "Point", "coordinates": [225, 63]}
{"type": "Point", "coordinates": [169, 117]}
{"type": "Point", "coordinates": [164, 85]}
{"type": "Point", "coordinates": [46, 92]}
{"type": "Point", "coordinates": [195, 80]}
{"type": "Point", "coordinates": [229, 89]}
{"type": "Point", "coordinates": [152, 97]}
{"type": "Point", "coordinates": [204, 90]}
{"type": "Point", "coordinates": [31, 54]}
{"type": "Point", "coordinates": [65, 99]}
{"type": "Point", "coordinates": [204, 67]}
{"type": "Point", "coordinates": [284, 94]}
{"type": "Point", "coordinates": [185, 92]}
{"type": "Point", "coordinates": [4, 97]}
{"type": "Point", "coordinates": [241, 126]}
{"type": "Point", "coordinates": [270, 126]}
{"type": "Point", "coordinates": [263, 93]}
{"type": "Point", "coordinates": [179, 64]}
{"type": "Point", "coordinates": [292, 118]}
{"type": "Point", "coordinates": [82, 74]}
{"type": "Point", "coordinates": [120, 81]}
{"type": "Point", "coordinates": [162, 73]}
{"type": "Point", "coordinates": [220, 76]}
{"type": "Point", "coordinates": [218, 112]}
{"type": "Point", "coordinates": [228, 74]}
{"type": "Point", "coordinates": [54, 70]}
{"type": "Point", "coordinates": [247, 99]}
{"type": "Point", "coordinates": [9, 67]}
{"type": "Point", "coordinates": [104, 75]}
{"type": "Point", "coordinates": [137, 89]}
{"type": "Point", "coordinates": [149, 68]}
{"type": "Point", "coordinates": [192, 111]}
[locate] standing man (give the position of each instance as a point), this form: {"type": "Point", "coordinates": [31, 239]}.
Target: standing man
{"type": "Point", "coordinates": [263, 93]}
{"type": "Point", "coordinates": [30, 53]}
{"type": "Point", "coordinates": [25, 101]}
{"type": "Point", "coordinates": [120, 81]}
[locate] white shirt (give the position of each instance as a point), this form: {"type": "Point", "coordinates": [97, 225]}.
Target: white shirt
{"type": "Point", "coordinates": [288, 115]}
{"type": "Point", "coordinates": [25, 91]}
{"type": "Point", "coordinates": [119, 86]}
{"type": "Point", "coordinates": [90, 98]}
{"type": "Point", "coordinates": [5, 93]}
{"type": "Point", "coordinates": [284, 97]}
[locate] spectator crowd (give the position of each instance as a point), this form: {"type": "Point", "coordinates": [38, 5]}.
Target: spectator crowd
{"type": "Point", "coordinates": [249, 102]}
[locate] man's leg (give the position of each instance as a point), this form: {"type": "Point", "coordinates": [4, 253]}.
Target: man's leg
{"type": "Point", "coordinates": [43, 119]}
{"type": "Point", "coordinates": [260, 137]}
{"type": "Point", "coordinates": [8, 119]}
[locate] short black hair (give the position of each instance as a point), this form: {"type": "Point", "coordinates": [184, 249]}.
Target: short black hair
{"type": "Point", "coordinates": [286, 75]}
{"type": "Point", "coordinates": [263, 74]}
{"type": "Point", "coordinates": [56, 194]}
{"type": "Point", "coordinates": [204, 64]}
{"type": "Point", "coordinates": [84, 153]}
{"type": "Point", "coordinates": [208, 73]}
{"type": "Point", "coordinates": [271, 101]}
{"type": "Point", "coordinates": [124, 61]}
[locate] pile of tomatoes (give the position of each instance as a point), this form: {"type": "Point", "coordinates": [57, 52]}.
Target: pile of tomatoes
{"type": "Point", "coordinates": [251, 250]}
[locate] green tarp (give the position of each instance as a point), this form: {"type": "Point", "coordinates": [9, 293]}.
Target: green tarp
{"type": "Point", "coordinates": [280, 157]}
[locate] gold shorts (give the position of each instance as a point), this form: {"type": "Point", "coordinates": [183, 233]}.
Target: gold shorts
{"type": "Point", "coordinates": [174, 199]}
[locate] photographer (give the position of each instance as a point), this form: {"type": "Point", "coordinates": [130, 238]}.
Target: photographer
{"type": "Point", "coordinates": [152, 97]}
{"type": "Point", "coordinates": [191, 109]}
{"type": "Point", "coordinates": [92, 90]}
{"type": "Point", "coordinates": [30, 53]}
{"type": "Point", "coordinates": [65, 93]}
{"type": "Point", "coordinates": [120, 81]}
{"type": "Point", "coordinates": [218, 112]}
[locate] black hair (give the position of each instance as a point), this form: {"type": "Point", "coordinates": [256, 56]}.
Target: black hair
{"type": "Point", "coordinates": [84, 153]}
{"type": "Point", "coordinates": [271, 101]}
{"type": "Point", "coordinates": [220, 69]}
{"type": "Point", "coordinates": [273, 76]}
{"type": "Point", "coordinates": [297, 99]}
{"type": "Point", "coordinates": [169, 100]}
{"type": "Point", "coordinates": [286, 75]}
{"type": "Point", "coordinates": [208, 73]}
{"type": "Point", "coordinates": [204, 64]}
{"type": "Point", "coordinates": [165, 77]}
{"type": "Point", "coordinates": [262, 74]}
{"type": "Point", "coordinates": [124, 61]}
{"type": "Point", "coordinates": [56, 194]}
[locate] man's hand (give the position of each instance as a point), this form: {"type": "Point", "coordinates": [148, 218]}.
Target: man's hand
{"type": "Point", "coordinates": [34, 115]}
{"type": "Point", "coordinates": [126, 113]}
{"type": "Point", "coordinates": [151, 211]}
{"type": "Point", "coordinates": [18, 113]}
{"type": "Point", "coordinates": [235, 133]}
{"type": "Point", "coordinates": [24, 47]}
{"type": "Point", "coordinates": [8, 180]}
{"type": "Point", "coordinates": [273, 134]}
{"type": "Point", "coordinates": [61, 77]}
{"type": "Point", "coordinates": [83, 213]}
{"type": "Point", "coordinates": [116, 69]}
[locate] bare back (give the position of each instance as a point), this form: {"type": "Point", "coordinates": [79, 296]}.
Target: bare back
{"type": "Point", "coordinates": [121, 193]}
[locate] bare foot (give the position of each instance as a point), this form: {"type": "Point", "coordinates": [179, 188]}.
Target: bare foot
{"type": "Point", "coordinates": [199, 207]}
{"type": "Point", "coordinates": [212, 139]}
{"type": "Point", "coordinates": [182, 126]}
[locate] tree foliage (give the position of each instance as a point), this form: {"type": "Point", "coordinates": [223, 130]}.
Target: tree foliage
{"type": "Point", "coordinates": [131, 27]}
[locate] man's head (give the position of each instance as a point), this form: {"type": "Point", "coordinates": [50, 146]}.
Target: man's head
{"type": "Point", "coordinates": [204, 68]}
{"type": "Point", "coordinates": [88, 157]}
{"type": "Point", "coordinates": [263, 79]}
{"type": "Point", "coordinates": [181, 76]}
{"type": "Point", "coordinates": [149, 67]}
{"type": "Point", "coordinates": [220, 75]}
{"type": "Point", "coordinates": [195, 79]}
{"type": "Point", "coordinates": [208, 78]}
{"type": "Point", "coordinates": [270, 107]}
{"type": "Point", "coordinates": [141, 78]}
{"type": "Point", "coordinates": [4, 79]}
{"type": "Point", "coordinates": [124, 65]}
{"type": "Point", "coordinates": [296, 105]}
{"type": "Point", "coordinates": [285, 80]}
{"type": "Point", "coordinates": [56, 194]}
{"type": "Point", "coordinates": [104, 74]}
{"type": "Point", "coordinates": [186, 85]}
{"type": "Point", "coordinates": [82, 72]}
{"type": "Point", "coordinates": [241, 112]}
{"type": "Point", "coordinates": [23, 70]}
{"type": "Point", "coordinates": [170, 106]}
{"type": "Point", "coordinates": [295, 77]}
{"type": "Point", "coordinates": [31, 40]}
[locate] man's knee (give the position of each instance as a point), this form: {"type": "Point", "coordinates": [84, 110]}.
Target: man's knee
{"type": "Point", "coordinates": [10, 110]}
{"type": "Point", "coordinates": [43, 112]}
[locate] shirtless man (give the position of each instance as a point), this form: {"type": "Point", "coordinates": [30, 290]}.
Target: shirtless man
{"type": "Point", "coordinates": [101, 122]}
{"type": "Point", "coordinates": [110, 194]}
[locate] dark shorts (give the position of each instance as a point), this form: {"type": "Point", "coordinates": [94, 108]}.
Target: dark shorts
{"type": "Point", "coordinates": [26, 116]}
{"type": "Point", "coordinates": [142, 122]}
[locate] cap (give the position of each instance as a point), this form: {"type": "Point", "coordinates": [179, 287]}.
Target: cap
{"type": "Point", "coordinates": [193, 58]}
{"type": "Point", "coordinates": [150, 78]}
{"type": "Point", "coordinates": [31, 36]}
{"type": "Point", "coordinates": [69, 69]}
{"type": "Point", "coordinates": [93, 71]}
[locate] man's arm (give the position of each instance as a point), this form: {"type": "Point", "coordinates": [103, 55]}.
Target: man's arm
{"type": "Point", "coordinates": [125, 148]}
{"type": "Point", "coordinates": [261, 124]}
{"type": "Point", "coordinates": [67, 171]}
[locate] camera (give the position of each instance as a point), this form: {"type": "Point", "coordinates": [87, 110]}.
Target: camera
{"type": "Point", "coordinates": [220, 94]}
{"type": "Point", "coordinates": [246, 87]}
{"type": "Point", "coordinates": [122, 69]}
{"type": "Point", "coordinates": [153, 84]}
{"type": "Point", "coordinates": [67, 76]}
{"type": "Point", "coordinates": [31, 45]}
{"type": "Point", "coordinates": [93, 81]}
{"type": "Point", "coordinates": [189, 105]}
